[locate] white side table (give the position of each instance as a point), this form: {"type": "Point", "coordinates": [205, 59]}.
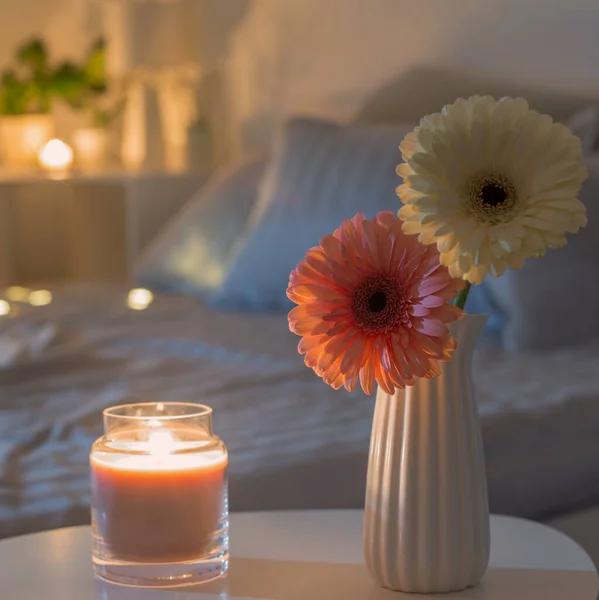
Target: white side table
{"type": "Point", "coordinates": [85, 228]}
{"type": "Point", "coordinates": [311, 555]}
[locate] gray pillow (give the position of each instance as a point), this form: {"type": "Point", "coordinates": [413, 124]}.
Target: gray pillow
{"type": "Point", "coordinates": [192, 255]}
{"type": "Point", "coordinates": [585, 125]}
{"type": "Point", "coordinates": [554, 300]}
{"type": "Point", "coordinates": [321, 174]}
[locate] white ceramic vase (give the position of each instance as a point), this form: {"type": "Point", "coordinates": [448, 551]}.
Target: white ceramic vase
{"type": "Point", "coordinates": [426, 526]}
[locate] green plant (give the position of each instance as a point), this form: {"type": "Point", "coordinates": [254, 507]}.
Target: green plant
{"type": "Point", "coordinates": [79, 85]}
{"type": "Point", "coordinates": [27, 88]}
{"type": "Point", "coordinates": [85, 87]}
{"type": "Point", "coordinates": [33, 84]}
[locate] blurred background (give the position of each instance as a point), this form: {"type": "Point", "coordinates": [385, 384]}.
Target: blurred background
{"type": "Point", "coordinates": [170, 90]}
{"type": "Point", "coordinates": [164, 164]}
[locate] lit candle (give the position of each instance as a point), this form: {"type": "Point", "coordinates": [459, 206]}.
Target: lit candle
{"type": "Point", "coordinates": [56, 156]}
{"type": "Point", "coordinates": [158, 491]}
{"type": "Point", "coordinates": [139, 299]}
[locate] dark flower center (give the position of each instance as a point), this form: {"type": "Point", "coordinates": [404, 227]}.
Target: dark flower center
{"type": "Point", "coordinates": [492, 194]}
{"type": "Point", "coordinates": [377, 302]}
{"type": "Point", "coordinates": [491, 198]}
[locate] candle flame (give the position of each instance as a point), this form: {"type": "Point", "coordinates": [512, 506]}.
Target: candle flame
{"type": "Point", "coordinates": [161, 442]}
{"type": "Point", "coordinates": [56, 155]}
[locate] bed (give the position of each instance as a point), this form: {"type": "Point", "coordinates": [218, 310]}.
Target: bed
{"type": "Point", "coordinates": [293, 442]}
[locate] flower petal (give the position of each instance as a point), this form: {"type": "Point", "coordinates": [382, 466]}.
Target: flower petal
{"type": "Point", "coordinates": [430, 326]}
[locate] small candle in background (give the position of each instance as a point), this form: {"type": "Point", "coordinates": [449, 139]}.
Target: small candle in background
{"type": "Point", "coordinates": [139, 299]}
{"type": "Point", "coordinates": [56, 156]}
{"type": "Point", "coordinates": [159, 495]}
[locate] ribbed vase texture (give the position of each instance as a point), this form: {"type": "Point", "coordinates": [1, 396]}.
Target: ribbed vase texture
{"type": "Point", "coordinates": [426, 526]}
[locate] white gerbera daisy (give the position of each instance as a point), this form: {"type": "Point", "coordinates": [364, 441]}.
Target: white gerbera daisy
{"type": "Point", "coordinates": [491, 182]}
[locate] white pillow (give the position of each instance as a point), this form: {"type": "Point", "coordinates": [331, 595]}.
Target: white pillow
{"type": "Point", "coordinates": [192, 254]}
{"type": "Point", "coordinates": [322, 173]}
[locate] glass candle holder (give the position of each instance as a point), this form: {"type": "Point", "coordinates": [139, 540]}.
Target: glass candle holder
{"type": "Point", "coordinates": [159, 496]}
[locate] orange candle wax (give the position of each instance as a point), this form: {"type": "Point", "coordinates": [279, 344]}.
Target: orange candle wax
{"type": "Point", "coordinates": [160, 507]}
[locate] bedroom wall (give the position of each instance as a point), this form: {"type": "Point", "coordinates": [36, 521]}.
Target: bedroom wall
{"type": "Point", "coordinates": [327, 57]}
{"type": "Point", "coordinates": [66, 24]}
{"type": "Point", "coordinates": [69, 25]}
{"type": "Point", "coordinates": [344, 44]}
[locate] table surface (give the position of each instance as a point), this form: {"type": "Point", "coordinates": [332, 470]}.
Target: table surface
{"type": "Point", "coordinates": [301, 555]}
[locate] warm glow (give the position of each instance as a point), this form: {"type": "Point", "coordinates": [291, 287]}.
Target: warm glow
{"type": "Point", "coordinates": [40, 298]}
{"type": "Point", "coordinates": [16, 293]}
{"type": "Point", "coordinates": [56, 155]}
{"type": "Point", "coordinates": [139, 299]}
{"type": "Point", "coordinates": [33, 137]}
{"type": "Point", "coordinates": [4, 307]}
{"type": "Point", "coordinates": [90, 148]}
{"type": "Point", "coordinates": [161, 442]}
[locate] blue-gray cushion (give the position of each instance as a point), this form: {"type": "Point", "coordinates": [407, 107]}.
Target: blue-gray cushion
{"type": "Point", "coordinates": [321, 174]}
{"type": "Point", "coordinates": [193, 253]}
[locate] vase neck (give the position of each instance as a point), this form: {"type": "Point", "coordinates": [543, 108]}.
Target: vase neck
{"type": "Point", "coordinates": [466, 332]}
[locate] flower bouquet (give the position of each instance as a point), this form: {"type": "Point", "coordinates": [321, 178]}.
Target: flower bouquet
{"type": "Point", "coordinates": [486, 184]}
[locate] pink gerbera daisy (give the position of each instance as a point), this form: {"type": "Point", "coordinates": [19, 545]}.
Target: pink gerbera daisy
{"type": "Point", "coordinates": [373, 305]}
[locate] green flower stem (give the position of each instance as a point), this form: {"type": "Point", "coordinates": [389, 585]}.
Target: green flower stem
{"type": "Point", "coordinates": [460, 301]}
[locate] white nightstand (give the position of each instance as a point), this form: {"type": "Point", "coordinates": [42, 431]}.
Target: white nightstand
{"type": "Point", "coordinates": [302, 555]}
{"type": "Point", "coordinates": [89, 228]}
